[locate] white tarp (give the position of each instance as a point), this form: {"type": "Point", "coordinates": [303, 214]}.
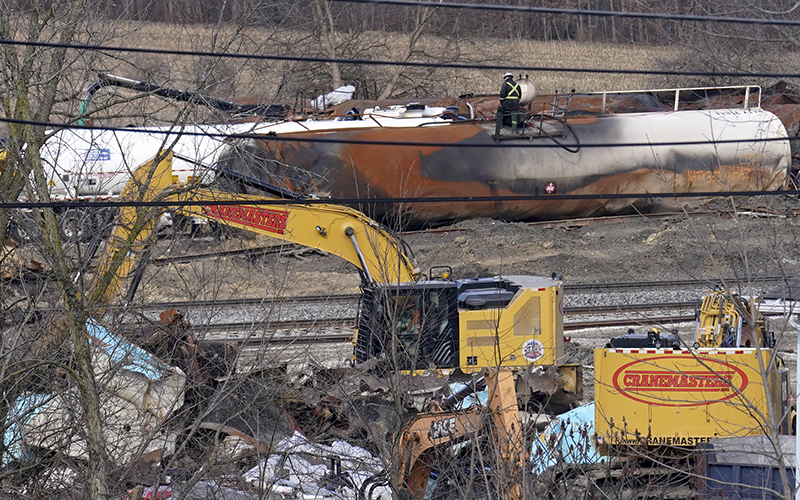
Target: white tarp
{"type": "Point", "coordinates": [338, 96]}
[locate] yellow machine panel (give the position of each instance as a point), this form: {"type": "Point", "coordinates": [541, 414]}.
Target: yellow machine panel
{"type": "Point", "coordinates": [723, 320]}
{"type": "Point", "coordinates": [529, 330]}
{"type": "Point", "coordinates": [683, 397]}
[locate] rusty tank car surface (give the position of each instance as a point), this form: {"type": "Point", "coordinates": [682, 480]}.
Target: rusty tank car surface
{"type": "Point", "coordinates": [639, 142]}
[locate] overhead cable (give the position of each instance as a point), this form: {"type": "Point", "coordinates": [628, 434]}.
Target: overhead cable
{"type": "Point", "coordinates": [555, 198]}
{"type": "Point", "coordinates": [325, 138]}
{"type": "Point", "coordinates": [389, 62]}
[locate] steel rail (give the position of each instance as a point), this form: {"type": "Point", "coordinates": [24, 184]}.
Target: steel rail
{"type": "Point", "coordinates": [695, 282]}
{"type": "Point", "coordinates": [249, 333]}
{"type": "Point", "coordinates": [250, 252]}
{"type": "Point", "coordinates": [576, 287]}
{"type": "Point", "coordinates": [275, 332]}
{"type": "Point", "coordinates": [266, 302]}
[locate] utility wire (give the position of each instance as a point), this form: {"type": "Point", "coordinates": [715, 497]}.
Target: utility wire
{"type": "Point", "coordinates": [291, 137]}
{"type": "Point", "coordinates": [555, 198]}
{"type": "Point", "coordinates": [580, 12]}
{"type": "Point", "coordinates": [389, 62]}
{"type": "Point", "coordinates": [420, 3]}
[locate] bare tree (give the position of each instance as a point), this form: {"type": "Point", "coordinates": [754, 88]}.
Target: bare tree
{"type": "Point", "coordinates": [40, 86]}
{"type": "Point", "coordinates": [34, 78]}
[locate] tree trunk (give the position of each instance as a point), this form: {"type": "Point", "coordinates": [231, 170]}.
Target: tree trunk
{"type": "Point", "coordinates": [327, 38]}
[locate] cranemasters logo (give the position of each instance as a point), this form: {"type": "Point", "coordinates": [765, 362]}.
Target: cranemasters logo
{"type": "Point", "coordinates": [273, 221]}
{"type": "Point", "coordinates": [532, 350]}
{"type": "Point", "coordinates": [679, 381]}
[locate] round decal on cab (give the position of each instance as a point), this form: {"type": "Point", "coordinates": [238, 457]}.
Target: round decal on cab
{"type": "Point", "coordinates": [532, 350]}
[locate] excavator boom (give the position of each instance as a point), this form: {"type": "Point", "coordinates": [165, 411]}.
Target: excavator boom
{"type": "Point", "coordinates": [412, 325]}
{"type": "Point", "coordinates": [335, 229]}
{"type": "Point", "coordinates": [726, 320]}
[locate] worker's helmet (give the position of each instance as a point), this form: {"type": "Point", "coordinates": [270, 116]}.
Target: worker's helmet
{"type": "Point", "coordinates": [507, 74]}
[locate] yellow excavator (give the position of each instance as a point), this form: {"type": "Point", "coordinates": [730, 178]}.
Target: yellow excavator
{"type": "Point", "coordinates": [720, 322]}
{"type": "Point", "coordinates": [512, 322]}
{"type": "Point", "coordinates": [729, 382]}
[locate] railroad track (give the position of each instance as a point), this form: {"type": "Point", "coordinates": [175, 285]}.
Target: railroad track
{"type": "Point", "coordinates": [664, 284]}
{"type": "Point", "coordinates": [248, 334]}
{"type": "Point", "coordinates": [325, 331]}
{"type": "Point", "coordinates": [249, 302]}
{"type": "Point", "coordinates": [320, 330]}
{"type": "Point", "coordinates": [353, 298]}
{"type": "Point", "coordinates": [332, 318]}
{"type": "Point", "coordinates": [254, 252]}
{"type": "Point", "coordinates": [275, 320]}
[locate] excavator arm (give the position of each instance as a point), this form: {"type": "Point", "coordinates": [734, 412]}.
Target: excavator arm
{"type": "Point", "coordinates": [335, 229]}
{"type": "Point", "coordinates": [420, 442]}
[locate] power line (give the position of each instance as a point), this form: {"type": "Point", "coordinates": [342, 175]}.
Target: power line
{"type": "Point", "coordinates": [555, 198]}
{"type": "Point", "coordinates": [580, 12]}
{"type": "Point", "coordinates": [414, 64]}
{"type": "Point", "coordinates": [177, 131]}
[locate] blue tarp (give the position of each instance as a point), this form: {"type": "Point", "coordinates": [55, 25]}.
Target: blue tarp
{"type": "Point", "coordinates": [480, 397]}
{"type": "Point", "coordinates": [568, 439]}
{"type": "Point", "coordinates": [23, 409]}
{"type": "Point", "coordinates": [125, 354]}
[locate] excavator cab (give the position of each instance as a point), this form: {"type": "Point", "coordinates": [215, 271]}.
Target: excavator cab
{"type": "Point", "coordinates": [509, 321]}
{"type": "Point", "coordinates": [423, 317]}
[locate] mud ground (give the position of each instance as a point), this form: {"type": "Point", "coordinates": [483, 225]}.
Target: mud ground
{"type": "Point", "coordinates": [756, 238]}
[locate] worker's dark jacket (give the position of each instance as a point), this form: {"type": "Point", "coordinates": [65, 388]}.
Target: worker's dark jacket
{"type": "Point", "coordinates": [510, 93]}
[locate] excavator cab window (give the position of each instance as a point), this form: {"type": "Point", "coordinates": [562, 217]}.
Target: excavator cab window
{"type": "Point", "coordinates": [408, 317]}
{"type": "Point", "coordinates": [414, 327]}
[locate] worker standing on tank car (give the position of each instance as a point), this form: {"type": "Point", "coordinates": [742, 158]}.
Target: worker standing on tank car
{"type": "Point", "coordinates": [510, 94]}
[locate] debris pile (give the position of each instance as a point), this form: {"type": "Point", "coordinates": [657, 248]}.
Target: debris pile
{"type": "Point", "coordinates": [303, 469]}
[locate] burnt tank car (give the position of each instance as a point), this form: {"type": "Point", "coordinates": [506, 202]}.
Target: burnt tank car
{"type": "Point", "coordinates": [436, 155]}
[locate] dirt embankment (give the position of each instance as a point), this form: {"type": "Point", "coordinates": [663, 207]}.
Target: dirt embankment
{"type": "Point", "coordinates": [752, 241]}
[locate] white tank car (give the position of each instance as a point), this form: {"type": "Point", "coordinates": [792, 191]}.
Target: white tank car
{"type": "Point", "coordinates": [649, 152]}
{"type": "Point", "coordinates": [96, 164]}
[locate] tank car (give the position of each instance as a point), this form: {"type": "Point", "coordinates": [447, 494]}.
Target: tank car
{"type": "Point", "coordinates": [647, 153]}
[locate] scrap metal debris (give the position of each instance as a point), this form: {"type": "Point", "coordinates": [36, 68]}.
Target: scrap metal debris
{"type": "Point", "coordinates": [298, 468]}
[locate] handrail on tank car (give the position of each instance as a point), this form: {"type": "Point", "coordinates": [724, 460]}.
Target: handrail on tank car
{"type": "Point", "coordinates": [749, 90]}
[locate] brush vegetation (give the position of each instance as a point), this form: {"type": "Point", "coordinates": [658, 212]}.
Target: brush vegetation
{"type": "Point", "coordinates": [252, 79]}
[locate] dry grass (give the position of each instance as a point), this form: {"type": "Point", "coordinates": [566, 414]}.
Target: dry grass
{"type": "Point", "coordinates": [579, 55]}
{"type": "Point", "coordinates": [282, 81]}
{"type": "Point", "coordinates": [260, 78]}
